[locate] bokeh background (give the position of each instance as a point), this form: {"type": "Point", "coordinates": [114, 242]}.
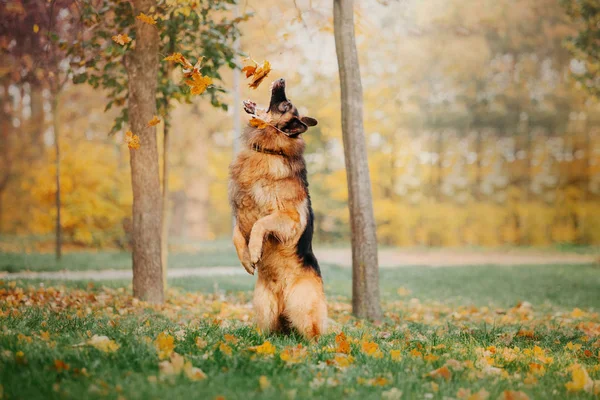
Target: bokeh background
{"type": "Point", "coordinates": [478, 130]}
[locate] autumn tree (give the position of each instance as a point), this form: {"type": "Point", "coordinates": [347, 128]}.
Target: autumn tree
{"type": "Point", "coordinates": [40, 31]}
{"type": "Point", "coordinates": [585, 46]}
{"type": "Point", "coordinates": [365, 268]}
{"type": "Point", "coordinates": [122, 54]}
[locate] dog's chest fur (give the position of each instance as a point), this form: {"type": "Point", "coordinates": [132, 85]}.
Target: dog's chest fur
{"type": "Point", "coordinates": [260, 185]}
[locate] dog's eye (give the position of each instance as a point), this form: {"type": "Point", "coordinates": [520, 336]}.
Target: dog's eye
{"type": "Point", "coordinates": [283, 107]}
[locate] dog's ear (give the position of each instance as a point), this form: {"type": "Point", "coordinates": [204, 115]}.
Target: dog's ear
{"type": "Point", "coordinates": [295, 127]}
{"type": "Point", "coordinates": [309, 121]}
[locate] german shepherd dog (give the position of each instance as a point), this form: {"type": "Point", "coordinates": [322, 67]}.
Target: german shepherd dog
{"type": "Point", "coordinates": [274, 220]}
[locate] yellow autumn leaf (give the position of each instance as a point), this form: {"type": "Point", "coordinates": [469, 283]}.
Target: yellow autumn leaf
{"type": "Point", "coordinates": [340, 339]}
{"type": "Point", "coordinates": [146, 19]}
{"type": "Point", "coordinates": [225, 349]}
{"type": "Point", "coordinates": [396, 355]}
{"type": "Point", "coordinates": [154, 121]}
{"type": "Point", "coordinates": [258, 123]}
{"type": "Point", "coordinates": [264, 382]}
{"type": "Point", "coordinates": [180, 59]}
{"type": "Point", "coordinates": [103, 343]}
{"type": "Point", "coordinates": [121, 38]}
{"type": "Point", "coordinates": [258, 73]}
{"type": "Point", "coordinates": [230, 338]}
{"type": "Point", "coordinates": [266, 348]}
{"type": "Point", "coordinates": [164, 344]}
{"type": "Point", "coordinates": [442, 372]}
{"type": "Point", "coordinates": [133, 141]}
{"type": "Point", "coordinates": [198, 83]}
{"type": "Point", "coordinates": [513, 395]}
{"type": "Point", "coordinates": [36, 28]}
{"type": "Point", "coordinates": [580, 380]}
{"type": "Point", "coordinates": [343, 360]}
{"type": "Point", "coordinates": [201, 343]}
{"type": "Point", "coordinates": [293, 355]}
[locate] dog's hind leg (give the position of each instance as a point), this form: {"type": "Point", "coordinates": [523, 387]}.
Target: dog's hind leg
{"type": "Point", "coordinates": [305, 306]}
{"type": "Point", "coordinates": [266, 308]}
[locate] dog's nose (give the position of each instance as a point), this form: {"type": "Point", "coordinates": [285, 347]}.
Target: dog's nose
{"type": "Point", "coordinates": [281, 81]}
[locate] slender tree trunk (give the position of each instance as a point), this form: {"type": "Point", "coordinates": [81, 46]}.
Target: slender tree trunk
{"type": "Point", "coordinates": [55, 128]}
{"type": "Point", "coordinates": [365, 268]}
{"type": "Point", "coordinates": [142, 69]}
{"type": "Point", "coordinates": [165, 201]}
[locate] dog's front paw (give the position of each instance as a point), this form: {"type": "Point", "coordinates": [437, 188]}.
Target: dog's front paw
{"type": "Point", "coordinates": [249, 106]}
{"type": "Point", "coordinates": [248, 265]}
{"type": "Point", "coordinates": [255, 252]}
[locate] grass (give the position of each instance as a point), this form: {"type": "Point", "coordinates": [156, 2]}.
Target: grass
{"type": "Point", "coordinates": [86, 260]}
{"type": "Point", "coordinates": [464, 322]}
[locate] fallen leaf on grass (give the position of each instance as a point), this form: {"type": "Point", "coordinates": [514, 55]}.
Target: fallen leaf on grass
{"type": "Point", "coordinates": [293, 355]}
{"type": "Point", "coordinates": [513, 395]}
{"type": "Point", "coordinates": [121, 38]}
{"type": "Point", "coordinates": [442, 372]}
{"type": "Point", "coordinates": [580, 380]}
{"type": "Point", "coordinates": [177, 364]}
{"type": "Point", "coordinates": [266, 348]}
{"type": "Point", "coordinates": [264, 382]}
{"type": "Point", "coordinates": [341, 341]}
{"type": "Point", "coordinates": [146, 19]}
{"type": "Point", "coordinates": [165, 344]}
{"type": "Point", "coordinates": [102, 343]}
{"type": "Point", "coordinates": [371, 349]}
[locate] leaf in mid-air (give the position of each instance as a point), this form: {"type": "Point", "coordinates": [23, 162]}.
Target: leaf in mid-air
{"type": "Point", "coordinates": [154, 121]}
{"type": "Point", "coordinates": [258, 73]}
{"type": "Point", "coordinates": [198, 83]}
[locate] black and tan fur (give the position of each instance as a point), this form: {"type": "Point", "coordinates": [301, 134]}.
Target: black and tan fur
{"type": "Point", "coordinates": [274, 220]}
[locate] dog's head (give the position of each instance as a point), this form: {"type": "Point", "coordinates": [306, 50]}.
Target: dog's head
{"type": "Point", "coordinates": [284, 115]}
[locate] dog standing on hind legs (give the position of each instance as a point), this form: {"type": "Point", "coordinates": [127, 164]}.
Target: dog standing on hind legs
{"type": "Point", "coordinates": [274, 220]}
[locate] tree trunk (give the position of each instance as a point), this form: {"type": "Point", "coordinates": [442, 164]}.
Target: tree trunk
{"type": "Point", "coordinates": [55, 129]}
{"type": "Point", "coordinates": [142, 69]}
{"type": "Point", "coordinates": [165, 201]}
{"type": "Point", "coordinates": [365, 268]}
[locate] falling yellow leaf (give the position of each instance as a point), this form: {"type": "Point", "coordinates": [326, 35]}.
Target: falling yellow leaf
{"type": "Point", "coordinates": [249, 70]}
{"type": "Point", "coordinates": [103, 343]}
{"type": "Point", "coordinates": [198, 83]}
{"type": "Point", "coordinates": [165, 344]}
{"type": "Point", "coordinates": [146, 19]}
{"type": "Point", "coordinates": [122, 39]}
{"type": "Point", "coordinates": [266, 348]}
{"type": "Point", "coordinates": [180, 59]}
{"type": "Point", "coordinates": [36, 28]}
{"type": "Point", "coordinates": [258, 73]}
{"type": "Point", "coordinates": [133, 141]}
{"type": "Point", "coordinates": [153, 122]}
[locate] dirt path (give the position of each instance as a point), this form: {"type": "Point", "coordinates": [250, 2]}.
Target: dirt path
{"type": "Point", "coordinates": [388, 258]}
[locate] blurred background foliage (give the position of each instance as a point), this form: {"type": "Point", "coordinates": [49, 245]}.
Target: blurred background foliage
{"type": "Point", "coordinates": [482, 129]}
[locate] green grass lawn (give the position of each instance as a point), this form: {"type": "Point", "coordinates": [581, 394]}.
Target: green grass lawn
{"type": "Point", "coordinates": [464, 322]}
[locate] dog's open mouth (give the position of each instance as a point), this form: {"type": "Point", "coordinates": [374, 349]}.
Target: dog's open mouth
{"type": "Point", "coordinates": [277, 92]}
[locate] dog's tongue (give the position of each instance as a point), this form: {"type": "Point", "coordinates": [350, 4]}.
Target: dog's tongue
{"type": "Point", "coordinates": [277, 92]}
